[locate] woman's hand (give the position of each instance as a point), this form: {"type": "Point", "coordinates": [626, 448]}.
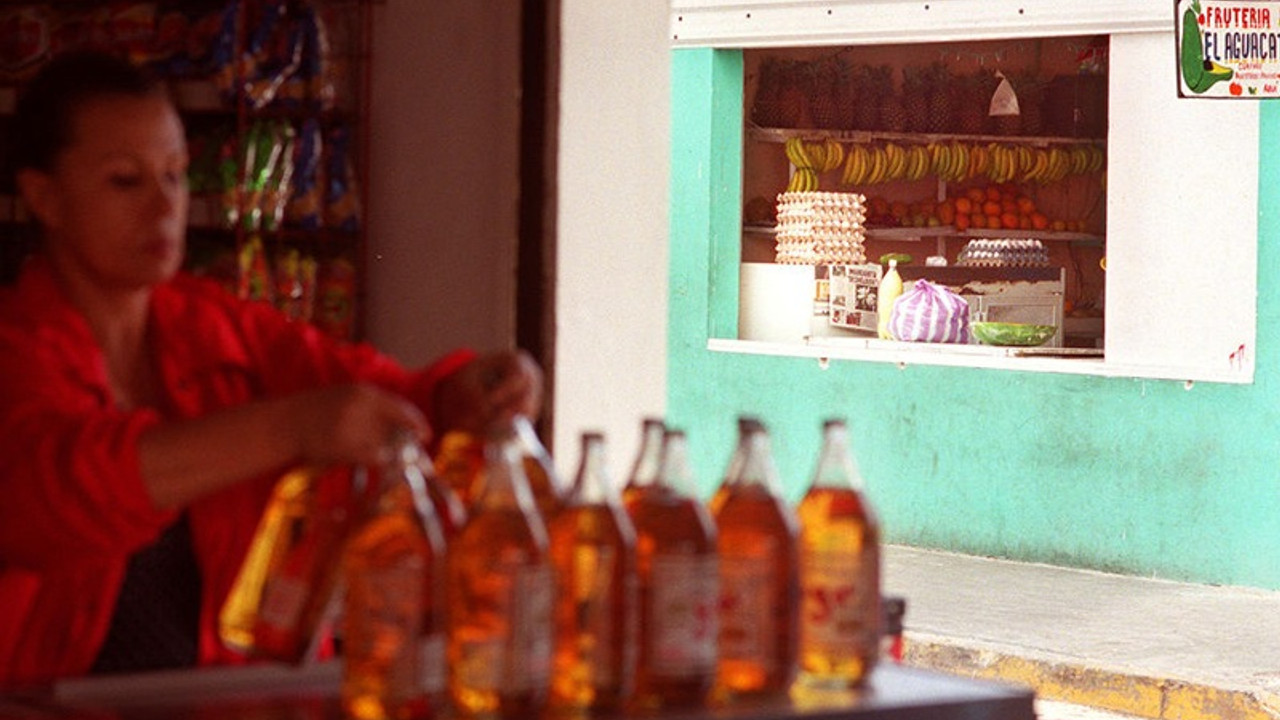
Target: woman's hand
{"type": "Point", "coordinates": [353, 424]}
{"type": "Point", "coordinates": [492, 388]}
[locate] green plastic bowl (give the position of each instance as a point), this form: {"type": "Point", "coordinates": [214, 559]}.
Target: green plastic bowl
{"type": "Point", "coordinates": [1004, 333]}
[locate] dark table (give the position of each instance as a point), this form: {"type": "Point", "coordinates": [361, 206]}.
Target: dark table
{"type": "Point", "coordinates": [279, 693]}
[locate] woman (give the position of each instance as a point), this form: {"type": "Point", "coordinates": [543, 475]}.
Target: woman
{"type": "Point", "coordinates": [145, 414]}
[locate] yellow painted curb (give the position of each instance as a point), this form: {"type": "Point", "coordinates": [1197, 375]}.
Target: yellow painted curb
{"type": "Point", "coordinates": [1117, 691]}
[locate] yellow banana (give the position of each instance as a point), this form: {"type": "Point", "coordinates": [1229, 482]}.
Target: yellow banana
{"type": "Point", "coordinates": [835, 154]}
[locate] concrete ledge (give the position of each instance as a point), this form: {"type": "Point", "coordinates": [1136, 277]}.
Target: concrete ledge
{"type": "Point", "coordinates": [1144, 696]}
{"type": "Point", "coordinates": [1150, 648]}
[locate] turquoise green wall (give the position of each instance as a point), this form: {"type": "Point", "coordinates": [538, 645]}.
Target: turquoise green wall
{"type": "Point", "coordinates": [1132, 476]}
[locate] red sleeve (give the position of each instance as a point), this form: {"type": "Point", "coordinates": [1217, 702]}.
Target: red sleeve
{"type": "Point", "coordinates": [296, 356]}
{"type": "Point", "coordinates": [70, 483]}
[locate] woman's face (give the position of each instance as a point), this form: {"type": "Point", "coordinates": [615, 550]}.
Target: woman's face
{"type": "Point", "coordinates": [114, 205]}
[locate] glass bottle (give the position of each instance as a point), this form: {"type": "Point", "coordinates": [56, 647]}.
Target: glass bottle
{"type": "Point", "coordinates": [644, 473]}
{"type": "Point", "coordinates": [594, 548]}
{"type": "Point", "coordinates": [393, 640]}
{"type": "Point", "coordinates": [501, 595]}
{"type": "Point", "coordinates": [759, 573]}
{"type": "Point", "coordinates": [679, 587]}
{"type": "Point", "coordinates": [284, 590]}
{"type": "Point", "coordinates": [548, 488]}
{"type": "Point", "coordinates": [459, 464]}
{"type": "Point", "coordinates": [746, 424]}
{"type": "Point", "coordinates": [840, 611]}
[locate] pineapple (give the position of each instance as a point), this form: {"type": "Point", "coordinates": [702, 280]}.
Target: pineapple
{"type": "Point", "coordinates": [766, 110]}
{"type": "Point", "coordinates": [866, 111]}
{"type": "Point", "coordinates": [793, 100]}
{"type": "Point", "coordinates": [822, 94]}
{"type": "Point", "coordinates": [846, 99]}
{"type": "Point", "coordinates": [940, 118]}
{"type": "Point", "coordinates": [893, 116]}
{"type": "Point", "coordinates": [915, 99]}
{"type": "Point", "coordinates": [1031, 101]}
{"type": "Point", "coordinates": [973, 100]}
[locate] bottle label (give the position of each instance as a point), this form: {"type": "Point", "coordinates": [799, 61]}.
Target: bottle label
{"type": "Point", "coordinates": [282, 599]}
{"type": "Point", "coordinates": [391, 615]}
{"type": "Point", "coordinates": [683, 614]}
{"type": "Point", "coordinates": [432, 663]}
{"type": "Point", "coordinates": [747, 627]}
{"type": "Point", "coordinates": [531, 628]}
{"type": "Point", "coordinates": [839, 613]}
{"type": "Point", "coordinates": [593, 568]}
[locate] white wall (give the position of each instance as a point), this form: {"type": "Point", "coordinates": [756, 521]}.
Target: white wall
{"type": "Point", "coordinates": [443, 192]}
{"type": "Point", "coordinates": [443, 188]}
{"type": "Point", "coordinates": [612, 224]}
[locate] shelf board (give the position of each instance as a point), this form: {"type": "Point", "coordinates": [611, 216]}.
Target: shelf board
{"type": "Point", "coordinates": [781, 135]}
{"type": "Point", "coordinates": [909, 234]}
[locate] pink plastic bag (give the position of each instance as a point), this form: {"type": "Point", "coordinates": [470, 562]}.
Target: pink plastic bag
{"type": "Point", "coordinates": [930, 313]}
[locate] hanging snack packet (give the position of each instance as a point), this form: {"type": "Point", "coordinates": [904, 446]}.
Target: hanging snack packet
{"type": "Point", "coordinates": [273, 55]}
{"type": "Point", "coordinates": [279, 185]}
{"type": "Point", "coordinates": [336, 294]}
{"type": "Point", "coordinates": [255, 275]}
{"type": "Point", "coordinates": [305, 208]}
{"type": "Point", "coordinates": [24, 40]}
{"type": "Point", "coordinates": [342, 200]}
{"type": "Point", "coordinates": [288, 274]}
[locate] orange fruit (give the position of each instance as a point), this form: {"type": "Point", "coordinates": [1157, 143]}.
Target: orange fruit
{"type": "Point", "coordinates": [963, 222]}
{"type": "Point", "coordinates": [1026, 205]}
{"type": "Point", "coordinates": [964, 205]}
{"type": "Point", "coordinates": [978, 220]}
{"type": "Point", "coordinates": [993, 193]}
{"type": "Point", "coordinates": [976, 195]}
{"type": "Point", "coordinates": [1009, 221]}
{"type": "Point", "coordinates": [1039, 221]}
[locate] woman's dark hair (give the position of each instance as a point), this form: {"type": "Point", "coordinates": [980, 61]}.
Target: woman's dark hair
{"type": "Point", "coordinates": [46, 107]}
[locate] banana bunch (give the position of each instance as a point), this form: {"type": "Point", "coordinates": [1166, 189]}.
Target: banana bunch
{"type": "Point", "coordinates": [950, 161]}
{"type": "Point", "coordinates": [883, 163]}
{"type": "Point", "coordinates": [810, 159]}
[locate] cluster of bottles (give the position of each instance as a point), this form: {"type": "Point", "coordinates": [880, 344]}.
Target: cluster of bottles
{"type": "Point", "coordinates": [482, 582]}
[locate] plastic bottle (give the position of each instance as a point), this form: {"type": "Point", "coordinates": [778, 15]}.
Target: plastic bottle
{"type": "Point", "coordinates": [889, 291]}
{"type": "Point", "coordinates": [840, 614]}
{"type": "Point", "coordinates": [393, 639]}
{"type": "Point", "coordinates": [501, 594]}
{"type": "Point", "coordinates": [593, 545]}
{"type": "Point", "coordinates": [759, 573]}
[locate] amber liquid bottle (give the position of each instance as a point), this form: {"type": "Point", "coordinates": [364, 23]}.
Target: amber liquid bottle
{"type": "Point", "coordinates": [839, 571]}
{"type": "Point", "coordinates": [594, 548]}
{"type": "Point", "coordinates": [746, 424]}
{"type": "Point", "coordinates": [644, 472]}
{"type": "Point", "coordinates": [460, 464]}
{"type": "Point", "coordinates": [394, 647]}
{"type": "Point", "coordinates": [759, 574]}
{"type": "Point", "coordinates": [282, 594]}
{"type": "Point", "coordinates": [679, 588]}
{"type": "Point", "coordinates": [501, 595]}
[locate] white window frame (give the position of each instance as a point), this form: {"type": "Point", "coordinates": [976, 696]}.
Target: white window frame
{"type": "Point", "coordinates": [1174, 309]}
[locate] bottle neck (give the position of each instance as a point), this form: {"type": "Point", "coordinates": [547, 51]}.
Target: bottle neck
{"type": "Point", "coordinates": [506, 486]}
{"type": "Point", "coordinates": [592, 485]}
{"type": "Point", "coordinates": [757, 466]}
{"type": "Point", "coordinates": [674, 472]}
{"type": "Point", "coordinates": [645, 472]}
{"type": "Point", "coordinates": [837, 467]}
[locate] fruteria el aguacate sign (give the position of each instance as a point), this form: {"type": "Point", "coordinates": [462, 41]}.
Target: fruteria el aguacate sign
{"type": "Point", "coordinates": [1228, 49]}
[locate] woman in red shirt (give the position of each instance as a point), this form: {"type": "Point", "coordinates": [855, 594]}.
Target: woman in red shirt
{"type": "Point", "coordinates": [145, 414]}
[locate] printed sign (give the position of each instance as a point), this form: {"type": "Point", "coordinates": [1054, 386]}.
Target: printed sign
{"type": "Point", "coordinates": [1228, 49]}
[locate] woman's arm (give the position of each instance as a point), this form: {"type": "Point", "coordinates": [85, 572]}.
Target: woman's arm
{"type": "Point", "coordinates": [343, 424]}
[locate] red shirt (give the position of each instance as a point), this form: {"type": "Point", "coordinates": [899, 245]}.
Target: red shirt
{"type": "Point", "coordinates": [73, 505]}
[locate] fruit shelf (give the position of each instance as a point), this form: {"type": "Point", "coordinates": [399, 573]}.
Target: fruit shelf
{"type": "Point", "coordinates": [913, 234]}
{"type": "Point", "coordinates": [781, 135]}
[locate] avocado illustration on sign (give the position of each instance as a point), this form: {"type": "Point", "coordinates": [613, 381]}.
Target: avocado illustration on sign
{"type": "Point", "coordinates": [1199, 73]}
